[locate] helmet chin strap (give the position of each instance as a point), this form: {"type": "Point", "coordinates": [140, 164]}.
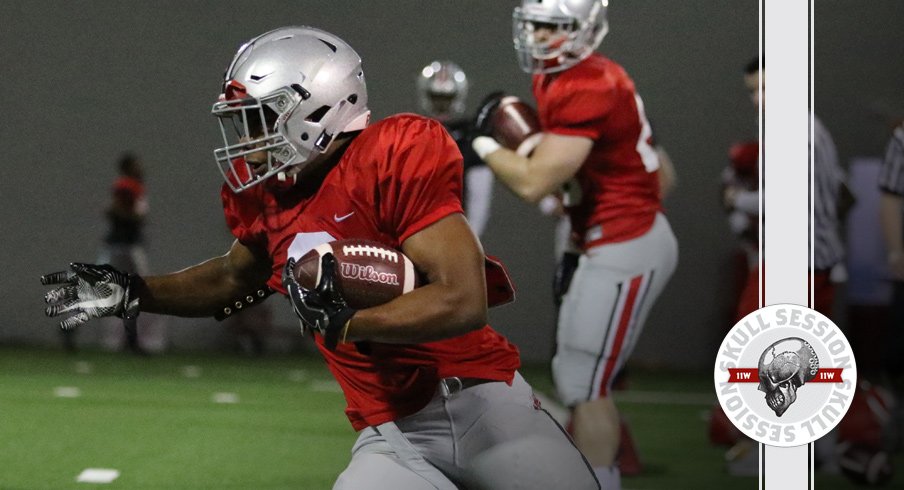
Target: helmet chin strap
{"type": "Point", "coordinates": [285, 176]}
{"type": "Point", "coordinates": [289, 175]}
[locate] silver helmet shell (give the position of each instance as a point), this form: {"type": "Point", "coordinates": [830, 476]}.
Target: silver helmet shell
{"type": "Point", "coordinates": [577, 29]}
{"type": "Point", "coordinates": [442, 88]}
{"type": "Point", "coordinates": [288, 92]}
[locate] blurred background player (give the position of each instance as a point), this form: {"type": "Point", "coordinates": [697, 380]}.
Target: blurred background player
{"type": "Point", "coordinates": [442, 89]}
{"type": "Point", "coordinates": [597, 142]}
{"type": "Point", "coordinates": [891, 184]}
{"type": "Point", "coordinates": [124, 249]}
{"type": "Point", "coordinates": [432, 389]}
{"type": "Point", "coordinates": [567, 256]}
{"type": "Point", "coordinates": [741, 200]}
{"type": "Point", "coordinates": [831, 200]}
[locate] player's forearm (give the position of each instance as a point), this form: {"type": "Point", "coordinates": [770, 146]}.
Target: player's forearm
{"type": "Point", "coordinates": [197, 291]}
{"type": "Point", "coordinates": [516, 172]}
{"type": "Point", "coordinates": [427, 314]}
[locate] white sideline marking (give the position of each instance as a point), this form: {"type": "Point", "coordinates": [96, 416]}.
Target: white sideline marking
{"type": "Point", "coordinates": [298, 375]}
{"type": "Point", "coordinates": [325, 386]}
{"type": "Point", "coordinates": [67, 392]}
{"type": "Point", "coordinates": [664, 398]}
{"type": "Point", "coordinates": [82, 367]}
{"type": "Point", "coordinates": [225, 398]}
{"type": "Point", "coordinates": [97, 475]}
{"type": "Point", "coordinates": [191, 371]}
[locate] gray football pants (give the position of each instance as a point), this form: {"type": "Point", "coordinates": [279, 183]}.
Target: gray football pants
{"type": "Point", "coordinates": [490, 436]}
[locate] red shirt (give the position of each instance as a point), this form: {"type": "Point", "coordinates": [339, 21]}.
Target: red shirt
{"type": "Point", "coordinates": [129, 189]}
{"type": "Point", "coordinates": [620, 193]}
{"type": "Point", "coordinates": [128, 192]}
{"type": "Point", "coordinates": [396, 178]}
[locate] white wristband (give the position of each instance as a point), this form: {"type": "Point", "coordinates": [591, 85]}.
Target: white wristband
{"type": "Point", "coordinates": [484, 145]}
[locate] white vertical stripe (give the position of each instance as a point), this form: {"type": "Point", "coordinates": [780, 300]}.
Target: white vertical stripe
{"type": "Point", "coordinates": [786, 139]}
{"type": "Point", "coordinates": [786, 123]}
{"type": "Point", "coordinates": [812, 468]}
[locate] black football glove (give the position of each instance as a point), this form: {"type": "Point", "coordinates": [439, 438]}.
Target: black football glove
{"type": "Point", "coordinates": [561, 281]}
{"type": "Point", "coordinates": [323, 308]}
{"type": "Point", "coordinates": [483, 119]}
{"type": "Point", "coordinates": [92, 291]}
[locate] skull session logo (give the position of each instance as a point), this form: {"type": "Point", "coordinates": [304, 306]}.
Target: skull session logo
{"type": "Point", "coordinates": [782, 373]}
{"type": "Point", "coordinates": [785, 375]}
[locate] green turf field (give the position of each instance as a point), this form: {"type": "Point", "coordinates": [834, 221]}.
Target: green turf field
{"type": "Point", "coordinates": [205, 421]}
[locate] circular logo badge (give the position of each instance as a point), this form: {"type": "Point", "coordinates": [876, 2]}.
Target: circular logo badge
{"type": "Point", "coordinates": [785, 375]}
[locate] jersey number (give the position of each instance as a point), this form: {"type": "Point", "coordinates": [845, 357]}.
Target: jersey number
{"type": "Point", "coordinates": [646, 151]}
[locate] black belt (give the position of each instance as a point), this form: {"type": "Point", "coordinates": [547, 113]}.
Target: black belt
{"type": "Point", "coordinates": [455, 384]}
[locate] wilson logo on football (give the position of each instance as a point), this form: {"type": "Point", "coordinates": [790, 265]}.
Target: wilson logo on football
{"type": "Point", "coordinates": [367, 273]}
{"type": "Point", "coordinates": [785, 375]}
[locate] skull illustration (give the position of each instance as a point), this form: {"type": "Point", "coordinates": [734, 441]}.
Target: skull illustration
{"type": "Point", "coordinates": [784, 367]}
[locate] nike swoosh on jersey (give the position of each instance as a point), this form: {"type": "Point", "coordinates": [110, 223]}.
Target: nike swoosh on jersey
{"type": "Point", "coordinates": [339, 219]}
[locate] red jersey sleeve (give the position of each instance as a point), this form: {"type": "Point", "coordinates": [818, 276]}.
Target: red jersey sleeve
{"type": "Point", "coordinates": [579, 104]}
{"type": "Point", "coordinates": [421, 178]}
{"type": "Point", "coordinates": [242, 212]}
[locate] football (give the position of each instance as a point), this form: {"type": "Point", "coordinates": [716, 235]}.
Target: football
{"type": "Point", "coordinates": [368, 273]}
{"type": "Point", "coordinates": [515, 125]}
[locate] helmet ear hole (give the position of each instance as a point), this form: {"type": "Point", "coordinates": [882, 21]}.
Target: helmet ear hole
{"type": "Point", "coordinates": [318, 114]}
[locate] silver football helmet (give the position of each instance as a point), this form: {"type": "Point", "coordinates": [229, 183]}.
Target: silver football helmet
{"type": "Point", "coordinates": [288, 92]}
{"type": "Point", "coordinates": [442, 89]}
{"type": "Point", "coordinates": [554, 35]}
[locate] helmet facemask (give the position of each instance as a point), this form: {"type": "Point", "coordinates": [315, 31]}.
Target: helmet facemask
{"type": "Point", "coordinates": [442, 90]}
{"type": "Point", "coordinates": [573, 35]}
{"type": "Point", "coordinates": [249, 125]}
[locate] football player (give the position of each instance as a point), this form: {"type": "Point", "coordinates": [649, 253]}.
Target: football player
{"type": "Point", "coordinates": [596, 142]}
{"type": "Point", "coordinates": [124, 248]}
{"type": "Point", "coordinates": [442, 89]}
{"type": "Point", "coordinates": [433, 390]}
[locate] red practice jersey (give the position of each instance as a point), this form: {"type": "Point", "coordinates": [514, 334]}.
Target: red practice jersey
{"type": "Point", "coordinates": [128, 192]}
{"type": "Point", "coordinates": [396, 178]}
{"type": "Point", "coordinates": [129, 189]}
{"type": "Point", "coordinates": [619, 183]}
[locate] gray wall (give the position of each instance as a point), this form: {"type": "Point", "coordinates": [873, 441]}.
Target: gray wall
{"type": "Point", "coordinates": [84, 80]}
